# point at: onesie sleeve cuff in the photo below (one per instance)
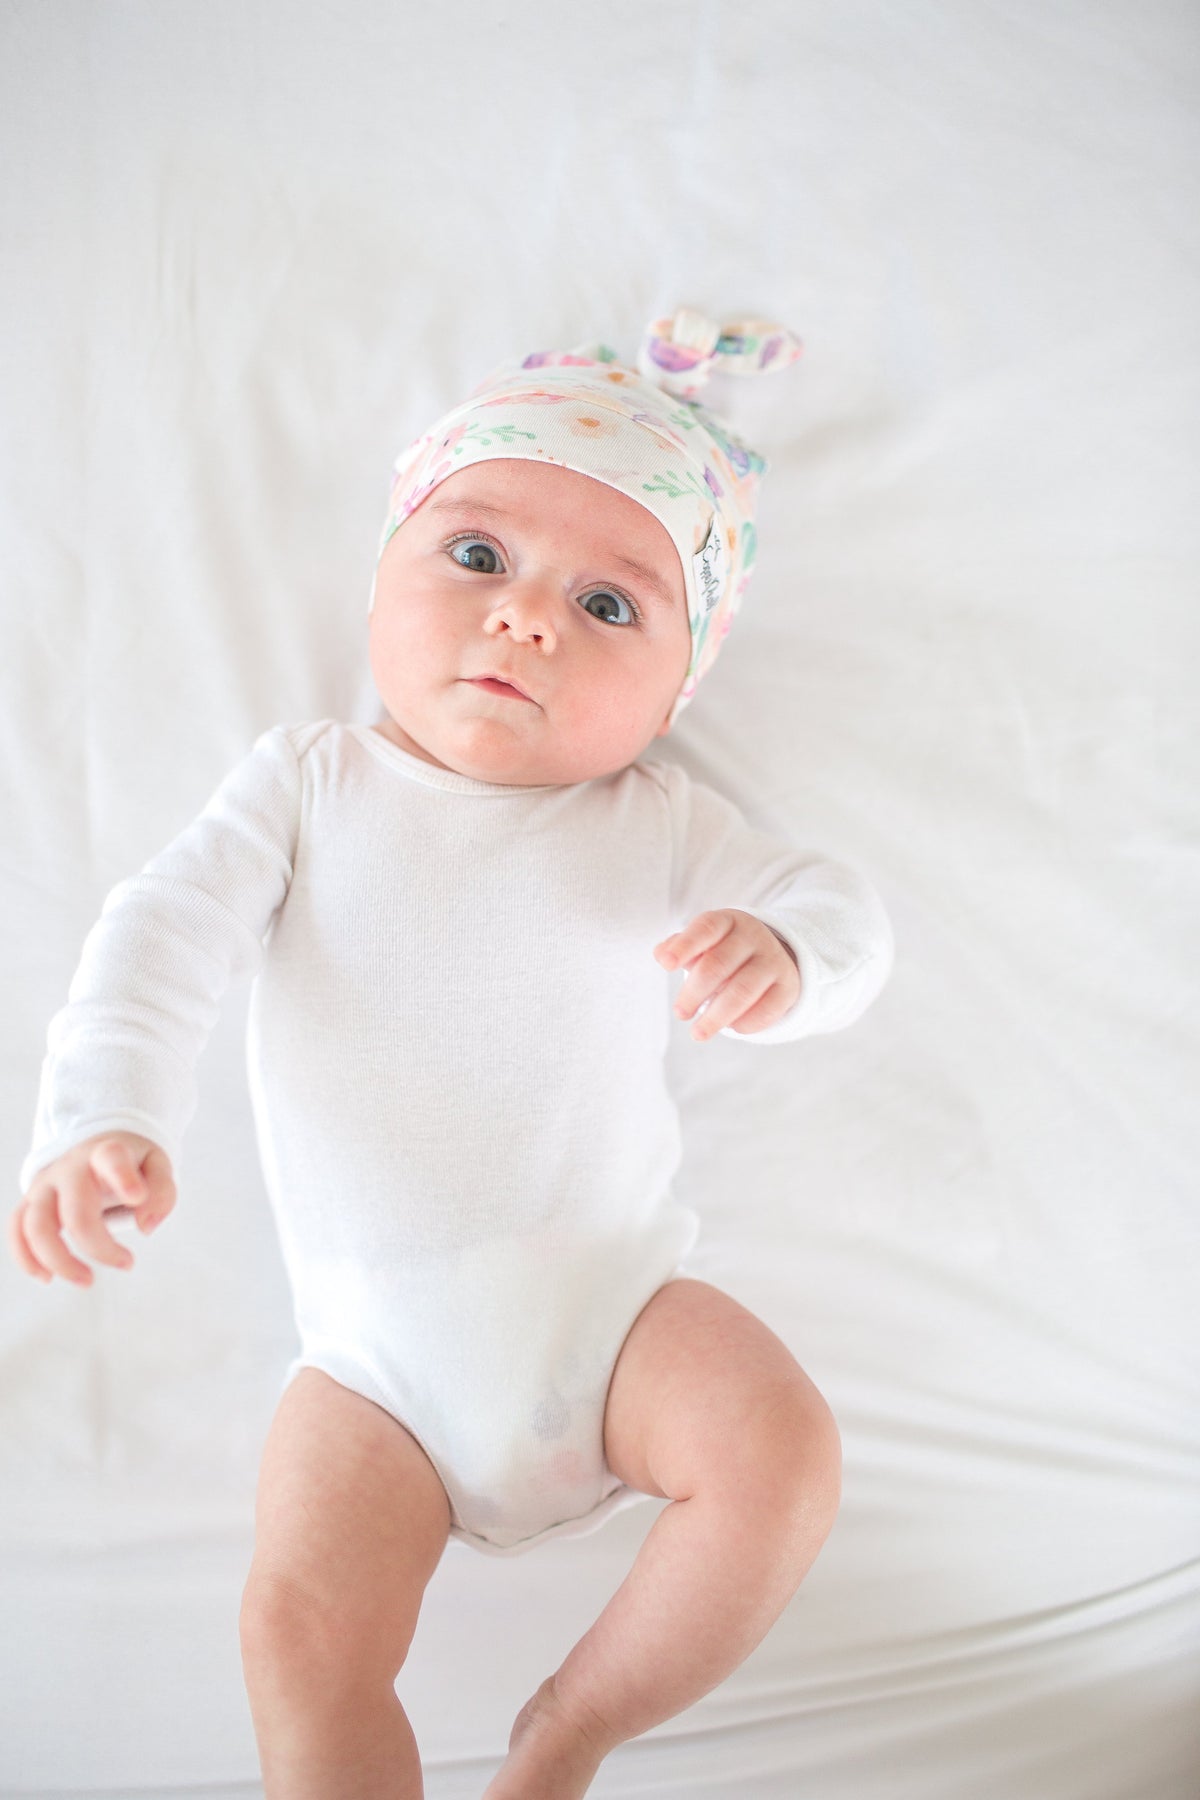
(829, 997)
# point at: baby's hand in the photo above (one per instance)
(119, 1173)
(747, 977)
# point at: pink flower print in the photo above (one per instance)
(407, 458)
(418, 494)
(441, 466)
(526, 397)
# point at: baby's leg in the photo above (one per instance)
(708, 1408)
(351, 1520)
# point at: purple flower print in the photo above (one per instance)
(677, 358)
(541, 359)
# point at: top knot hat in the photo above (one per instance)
(640, 430)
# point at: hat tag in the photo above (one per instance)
(710, 567)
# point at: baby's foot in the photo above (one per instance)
(550, 1757)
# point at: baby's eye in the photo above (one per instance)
(608, 598)
(475, 548)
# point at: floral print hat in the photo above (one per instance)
(640, 430)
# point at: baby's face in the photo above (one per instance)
(521, 569)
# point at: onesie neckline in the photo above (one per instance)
(430, 774)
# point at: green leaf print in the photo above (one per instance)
(486, 435)
(676, 486)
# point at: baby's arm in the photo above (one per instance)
(122, 1053)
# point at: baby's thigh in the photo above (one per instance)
(350, 1521)
(705, 1395)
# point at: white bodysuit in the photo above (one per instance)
(455, 1051)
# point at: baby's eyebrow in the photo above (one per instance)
(484, 509)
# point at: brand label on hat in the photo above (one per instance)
(710, 567)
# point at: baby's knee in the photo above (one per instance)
(783, 1470)
(316, 1640)
(286, 1628)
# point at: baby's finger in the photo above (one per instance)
(82, 1211)
(44, 1232)
(699, 935)
(20, 1248)
(161, 1185)
(711, 973)
(118, 1170)
(698, 991)
(742, 991)
(767, 1010)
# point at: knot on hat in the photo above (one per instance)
(680, 352)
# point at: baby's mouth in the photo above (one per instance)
(491, 684)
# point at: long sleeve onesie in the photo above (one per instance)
(456, 1051)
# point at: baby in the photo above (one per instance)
(461, 922)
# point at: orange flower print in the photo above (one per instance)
(593, 425)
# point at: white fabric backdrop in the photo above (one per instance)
(250, 249)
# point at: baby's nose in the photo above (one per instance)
(528, 609)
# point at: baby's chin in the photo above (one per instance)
(486, 752)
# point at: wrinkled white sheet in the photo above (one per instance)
(251, 248)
